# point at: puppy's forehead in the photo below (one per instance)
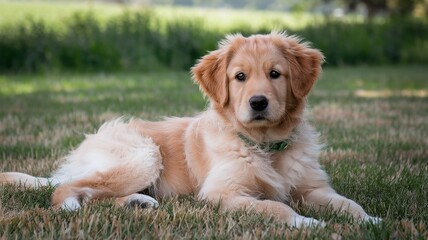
(261, 50)
(255, 44)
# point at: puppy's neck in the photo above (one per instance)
(278, 132)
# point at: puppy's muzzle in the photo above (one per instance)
(258, 103)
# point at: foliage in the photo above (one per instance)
(390, 42)
(130, 41)
(139, 40)
(395, 8)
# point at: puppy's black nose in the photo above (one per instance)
(258, 103)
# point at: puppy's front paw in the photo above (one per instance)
(301, 221)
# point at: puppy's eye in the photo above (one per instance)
(240, 77)
(274, 74)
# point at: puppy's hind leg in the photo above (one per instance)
(121, 182)
(116, 162)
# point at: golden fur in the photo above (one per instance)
(204, 154)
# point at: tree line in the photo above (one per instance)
(393, 8)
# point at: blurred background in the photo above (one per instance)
(145, 35)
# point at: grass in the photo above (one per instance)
(373, 120)
(220, 19)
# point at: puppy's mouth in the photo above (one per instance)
(259, 117)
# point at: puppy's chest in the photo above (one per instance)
(261, 169)
(253, 157)
(249, 169)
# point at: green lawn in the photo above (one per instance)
(373, 119)
(55, 12)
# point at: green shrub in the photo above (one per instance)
(139, 41)
(369, 43)
(27, 46)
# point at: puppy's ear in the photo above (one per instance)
(304, 64)
(210, 74)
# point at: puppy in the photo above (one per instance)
(252, 148)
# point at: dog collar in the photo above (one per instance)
(266, 146)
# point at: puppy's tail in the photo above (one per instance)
(25, 180)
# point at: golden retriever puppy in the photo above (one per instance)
(252, 148)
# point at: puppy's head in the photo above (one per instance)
(258, 79)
